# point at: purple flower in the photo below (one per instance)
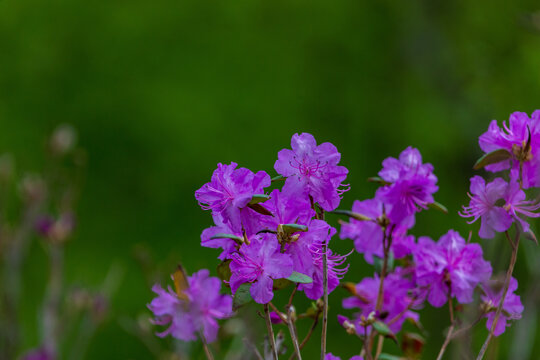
(329, 356)
(511, 310)
(449, 265)
(307, 256)
(287, 208)
(259, 263)
(368, 235)
(516, 203)
(498, 205)
(397, 300)
(312, 170)
(514, 138)
(484, 205)
(186, 317)
(411, 188)
(230, 191)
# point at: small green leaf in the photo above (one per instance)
(260, 209)
(492, 158)
(242, 296)
(238, 239)
(224, 271)
(384, 330)
(351, 214)
(292, 228)
(300, 278)
(378, 180)
(278, 178)
(385, 356)
(281, 284)
(438, 206)
(258, 198)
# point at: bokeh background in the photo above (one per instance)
(160, 92)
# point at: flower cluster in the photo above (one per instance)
(271, 236)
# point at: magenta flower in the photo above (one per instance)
(307, 256)
(287, 208)
(198, 313)
(516, 203)
(498, 204)
(514, 138)
(260, 263)
(485, 205)
(38, 354)
(449, 265)
(412, 186)
(312, 170)
(512, 307)
(329, 356)
(368, 235)
(230, 191)
(397, 300)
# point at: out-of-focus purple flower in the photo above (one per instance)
(511, 310)
(230, 191)
(397, 300)
(38, 354)
(368, 235)
(514, 138)
(287, 208)
(198, 312)
(312, 170)
(484, 205)
(259, 263)
(449, 265)
(275, 318)
(517, 203)
(56, 230)
(412, 185)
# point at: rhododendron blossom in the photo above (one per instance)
(312, 170)
(511, 310)
(449, 267)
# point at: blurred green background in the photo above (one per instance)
(162, 91)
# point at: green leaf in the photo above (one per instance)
(438, 206)
(260, 209)
(385, 356)
(492, 158)
(242, 296)
(292, 228)
(300, 278)
(224, 271)
(258, 198)
(278, 178)
(378, 180)
(281, 284)
(351, 214)
(238, 239)
(384, 330)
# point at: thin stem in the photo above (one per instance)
(289, 304)
(292, 330)
(325, 297)
(308, 336)
(515, 246)
(451, 330)
(270, 330)
(50, 327)
(253, 348)
(206, 348)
